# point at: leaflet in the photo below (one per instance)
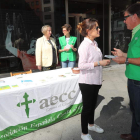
(5, 87)
(110, 56)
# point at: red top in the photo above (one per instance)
(28, 61)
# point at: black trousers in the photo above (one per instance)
(89, 97)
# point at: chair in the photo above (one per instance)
(18, 73)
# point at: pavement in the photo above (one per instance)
(112, 112)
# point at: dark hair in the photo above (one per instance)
(89, 23)
(67, 26)
(134, 9)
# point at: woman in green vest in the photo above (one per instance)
(67, 50)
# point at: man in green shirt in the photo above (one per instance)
(132, 61)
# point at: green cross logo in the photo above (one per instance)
(26, 103)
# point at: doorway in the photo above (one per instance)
(74, 19)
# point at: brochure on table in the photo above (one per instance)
(34, 79)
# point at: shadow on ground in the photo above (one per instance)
(115, 119)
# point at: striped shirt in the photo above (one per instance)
(135, 30)
(88, 54)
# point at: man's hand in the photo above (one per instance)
(39, 67)
(117, 52)
(119, 59)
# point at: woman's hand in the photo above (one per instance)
(39, 67)
(104, 62)
(65, 49)
(74, 49)
(117, 52)
(72, 46)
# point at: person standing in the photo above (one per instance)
(132, 61)
(46, 51)
(90, 79)
(67, 48)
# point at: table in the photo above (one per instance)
(33, 101)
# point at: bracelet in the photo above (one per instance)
(98, 63)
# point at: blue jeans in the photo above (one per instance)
(68, 64)
(134, 95)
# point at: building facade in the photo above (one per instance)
(26, 17)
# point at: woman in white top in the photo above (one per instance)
(90, 80)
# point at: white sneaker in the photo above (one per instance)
(86, 137)
(95, 128)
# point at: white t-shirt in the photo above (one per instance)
(67, 40)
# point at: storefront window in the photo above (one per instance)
(19, 28)
(23, 19)
(120, 36)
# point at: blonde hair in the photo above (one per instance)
(44, 28)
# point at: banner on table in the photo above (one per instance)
(29, 110)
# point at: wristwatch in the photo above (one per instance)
(126, 61)
(98, 63)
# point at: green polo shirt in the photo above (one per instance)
(133, 71)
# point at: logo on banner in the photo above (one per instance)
(26, 103)
(63, 100)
